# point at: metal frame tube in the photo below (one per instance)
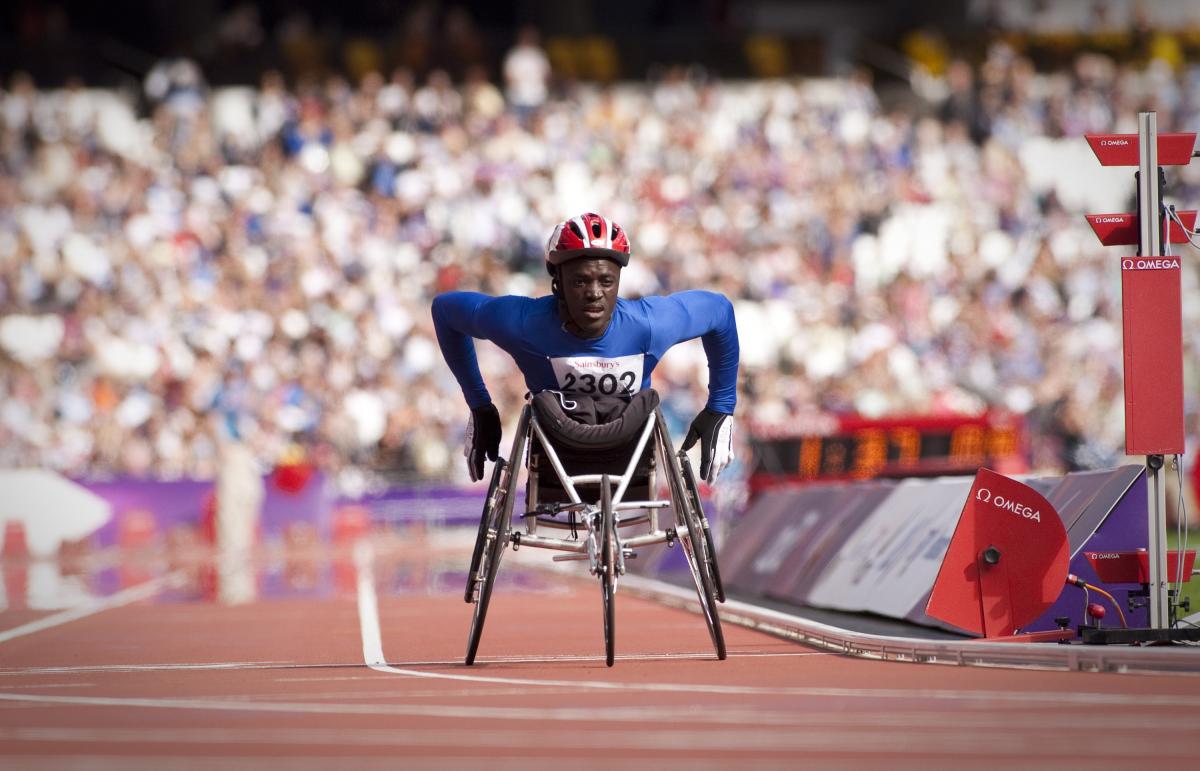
(1157, 547)
(558, 544)
(1150, 223)
(1149, 205)
(569, 482)
(633, 461)
(566, 479)
(581, 549)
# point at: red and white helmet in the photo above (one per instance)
(588, 235)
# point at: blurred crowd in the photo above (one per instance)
(186, 266)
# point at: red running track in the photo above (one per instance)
(158, 678)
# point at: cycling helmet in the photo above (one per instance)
(588, 235)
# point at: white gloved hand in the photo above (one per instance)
(714, 431)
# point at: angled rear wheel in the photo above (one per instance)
(494, 499)
(494, 533)
(494, 537)
(694, 545)
(710, 549)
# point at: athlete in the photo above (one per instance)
(584, 339)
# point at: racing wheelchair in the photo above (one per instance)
(599, 481)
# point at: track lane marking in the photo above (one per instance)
(182, 667)
(142, 591)
(292, 665)
(862, 738)
(372, 644)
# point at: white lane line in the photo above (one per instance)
(368, 611)
(368, 607)
(134, 593)
(169, 667)
(551, 659)
(445, 761)
(698, 713)
(633, 657)
(846, 737)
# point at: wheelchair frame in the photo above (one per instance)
(603, 546)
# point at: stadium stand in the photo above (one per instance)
(194, 262)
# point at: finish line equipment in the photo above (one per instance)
(1006, 562)
(1152, 321)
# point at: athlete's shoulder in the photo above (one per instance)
(688, 298)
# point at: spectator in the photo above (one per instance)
(260, 262)
(526, 73)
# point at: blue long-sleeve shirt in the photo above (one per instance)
(619, 361)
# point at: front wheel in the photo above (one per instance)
(608, 570)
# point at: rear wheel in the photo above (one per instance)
(495, 538)
(710, 549)
(495, 535)
(608, 569)
(694, 544)
(493, 501)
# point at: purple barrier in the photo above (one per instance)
(433, 505)
(181, 504)
(889, 562)
(876, 546)
(1111, 508)
(794, 536)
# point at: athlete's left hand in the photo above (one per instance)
(483, 439)
(714, 430)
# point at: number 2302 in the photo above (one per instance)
(607, 384)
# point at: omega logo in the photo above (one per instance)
(1111, 142)
(1168, 263)
(1000, 502)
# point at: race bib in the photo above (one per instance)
(620, 376)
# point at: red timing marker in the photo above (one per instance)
(1122, 229)
(1133, 567)
(1122, 149)
(1152, 322)
(1007, 561)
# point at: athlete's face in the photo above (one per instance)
(589, 287)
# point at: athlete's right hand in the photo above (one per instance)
(483, 439)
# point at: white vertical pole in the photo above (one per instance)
(1150, 221)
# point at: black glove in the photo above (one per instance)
(483, 439)
(715, 432)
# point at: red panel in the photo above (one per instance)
(996, 599)
(1153, 342)
(1133, 567)
(1122, 149)
(1122, 229)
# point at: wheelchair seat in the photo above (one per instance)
(591, 436)
(593, 423)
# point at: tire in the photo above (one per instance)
(489, 564)
(608, 570)
(499, 525)
(710, 549)
(694, 543)
(491, 502)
